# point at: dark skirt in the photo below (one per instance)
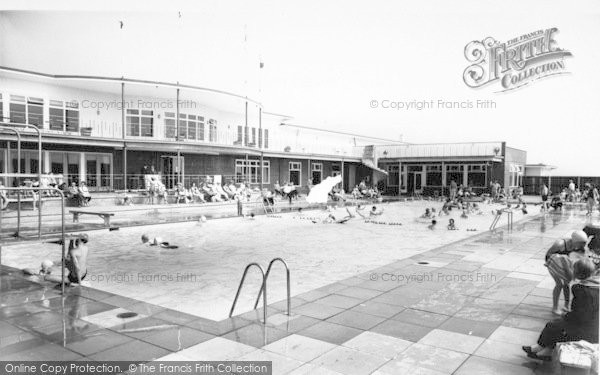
(561, 331)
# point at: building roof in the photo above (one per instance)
(540, 165)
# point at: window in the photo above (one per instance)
(434, 175)
(146, 123)
(133, 122)
(266, 141)
(1, 109)
(247, 170)
(295, 173)
(246, 135)
(212, 130)
(316, 173)
(140, 123)
(260, 139)
(35, 111)
(190, 127)
(476, 175)
(62, 116)
(200, 128)
(336, 169)
(393, 174)
(170, 128)
(266, 176)
(72, 116)
(253, 144)
(454, 172)
(57, 115)
(240, 134)
(17, 109)
(182, 126)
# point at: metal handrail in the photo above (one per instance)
(497, 219)
(39, 133)
(62, 228)
(240, 289)
(263, 288)
(18, 134)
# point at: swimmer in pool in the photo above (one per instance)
(464, 215)
(452, 225)
(427, 214)
(374, 211)
(45, 269)
(432, 225)
(300, 214)
(157, 241)
(250, 216)
(330, 219)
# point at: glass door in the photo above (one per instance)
(91, 171)
(171, 169)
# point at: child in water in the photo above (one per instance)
(432, 225)
(157, 241)
(451, 225)
(464, 215)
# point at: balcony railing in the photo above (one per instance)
(275, 143)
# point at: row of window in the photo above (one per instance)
(394, 168)
(476, 174)
(248, 170)
(63, 116)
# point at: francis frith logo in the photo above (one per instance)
(515, 63)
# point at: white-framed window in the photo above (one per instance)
(18, 109)
(240, 135)
(295, 173)
(1, 109)
(140, 122)
(35, 111)
(63, 116)
(170, 125)
(191, 127)
(247, 170)
(266, 138)
(316, 173)
(212, 130)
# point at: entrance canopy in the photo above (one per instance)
(369, 163)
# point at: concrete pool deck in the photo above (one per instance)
(467, 311)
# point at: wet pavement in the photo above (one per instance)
(463, 308)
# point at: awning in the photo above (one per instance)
(369, 163)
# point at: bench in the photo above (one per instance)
(104, 215)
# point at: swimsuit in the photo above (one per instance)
(73, 278)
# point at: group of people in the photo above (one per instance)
(207, 191)
(80, 194)
(589, 195)
(287, 190)
(362, 190)
(75, 264)
(573, 264)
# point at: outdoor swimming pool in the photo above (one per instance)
(202, 275)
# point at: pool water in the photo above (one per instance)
(201, 276)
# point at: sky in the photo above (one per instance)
(337, 64)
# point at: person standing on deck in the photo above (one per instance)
(544, 191)
(453, 190)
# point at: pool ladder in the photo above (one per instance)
(263, 288)
(497, 219)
